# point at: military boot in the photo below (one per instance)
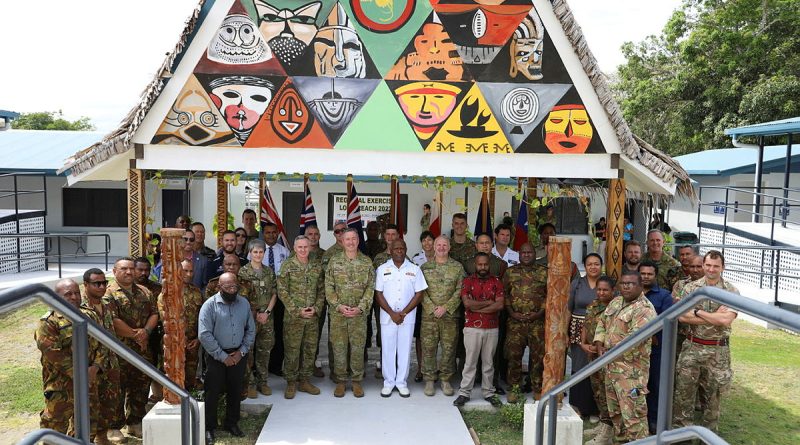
(265, 389)
(115, 436)
(101, 438)
(358, 391)
(512, 397)
(604, 435)
(291, 390)
(251, 392)
(339, 391)
(447, 389)
(307, 387)
(429, 389)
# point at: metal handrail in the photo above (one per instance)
(681, 434)
(81, 328)
(751, 192)
(668, 322)
(48, 436)
(58, 236)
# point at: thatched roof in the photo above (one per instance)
(633, 148)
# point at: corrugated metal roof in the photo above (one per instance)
(36, 150)
(783, 126)
(727, 161)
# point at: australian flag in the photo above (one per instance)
(308, 217)
(269, 214)
(354, 217)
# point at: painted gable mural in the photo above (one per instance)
(468, 76)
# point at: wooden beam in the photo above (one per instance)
(492, 189)
(615, 228)
(172, 310)
(222, 206)
(137, 238)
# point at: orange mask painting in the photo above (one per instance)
(568, 129)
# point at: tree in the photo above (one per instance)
(50, 120)
(717, 64)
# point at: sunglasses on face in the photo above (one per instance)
(191, 240)
(99, 283)
(338, 231)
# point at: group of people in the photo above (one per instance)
(473, 306)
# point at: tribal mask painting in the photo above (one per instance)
(427, 105)
(527, 46)
(338, 52)
(288, 31)
(434, 56)
(479, 31)
(242, 100)
(291, 119)
(568, 129)
(238, 41)
(194, 120)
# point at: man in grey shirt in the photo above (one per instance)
(226, 330)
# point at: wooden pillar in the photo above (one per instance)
(615, 228)
(557, 314)
(137, 238)
(222, 206)
(173, 310)
(492, 189)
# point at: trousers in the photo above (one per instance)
(479, 343)
(396, 352)
(229, 379)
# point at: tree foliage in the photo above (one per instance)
(717, 64)
(50, 120)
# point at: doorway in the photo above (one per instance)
(174, 204)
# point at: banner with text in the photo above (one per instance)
(373, 205)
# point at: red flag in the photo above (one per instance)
(269, 213)
(436, 215)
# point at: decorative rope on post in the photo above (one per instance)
(173, 310)
(556, 318)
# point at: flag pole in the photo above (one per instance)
(262, 183)
(349, 196)
(393, 200)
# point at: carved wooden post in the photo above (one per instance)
(174, 314)
(492, 189)
(615, 227)
(222, 207)
(556, 320)
(136, 213)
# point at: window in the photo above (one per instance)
(571, 216)
(85, 207)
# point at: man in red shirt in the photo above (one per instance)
(482, 295)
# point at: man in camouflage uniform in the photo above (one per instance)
(230, 266)
(626, 378)
(526, 289)
(604, 431)
(105, 401)
(337, 247)
(315, 252)
(685, 255)
(678, 292)
(301, 287)
(54, 339)
(349, 284)
(141, 275)
(135, 318)
(705, 360)
(262, 302)
(669, 269)
(440, 308)
(462, 249)
(192, 301)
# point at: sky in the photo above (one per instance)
(97, 56)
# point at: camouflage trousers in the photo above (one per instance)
(105, 409)
(598, 381)
(434, 332)
(627, 406)
(701, 369)
(58, 411)
(300, 340)
(134, 388)
(521, 335)
(190, 368)
(258, 362)
(348, 336)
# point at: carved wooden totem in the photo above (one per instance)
(615, 228)
(556, 320)
(174, 321)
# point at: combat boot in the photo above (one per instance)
(339, 391)
(135, 430)
(291, 390)
(429, 389)
(115, 436)
(264, 389)
(251, 392)
(604, 436)
(101, 438)
(512, 397)
(308, 388)
(358, 391)
(447, 389)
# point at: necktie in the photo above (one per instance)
(271, 259)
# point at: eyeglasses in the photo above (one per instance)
(99, 283)
(627, 283)
(191, 240)
(338, 231)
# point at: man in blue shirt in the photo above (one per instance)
(227, 331)
(661, 300)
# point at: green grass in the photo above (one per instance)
(491, 428)
(20, 390)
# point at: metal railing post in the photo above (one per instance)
(80, 379)
(58, 242)
(16, 220)
(551, 421)
(725, 221)
(700, 204)
(667, 376)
